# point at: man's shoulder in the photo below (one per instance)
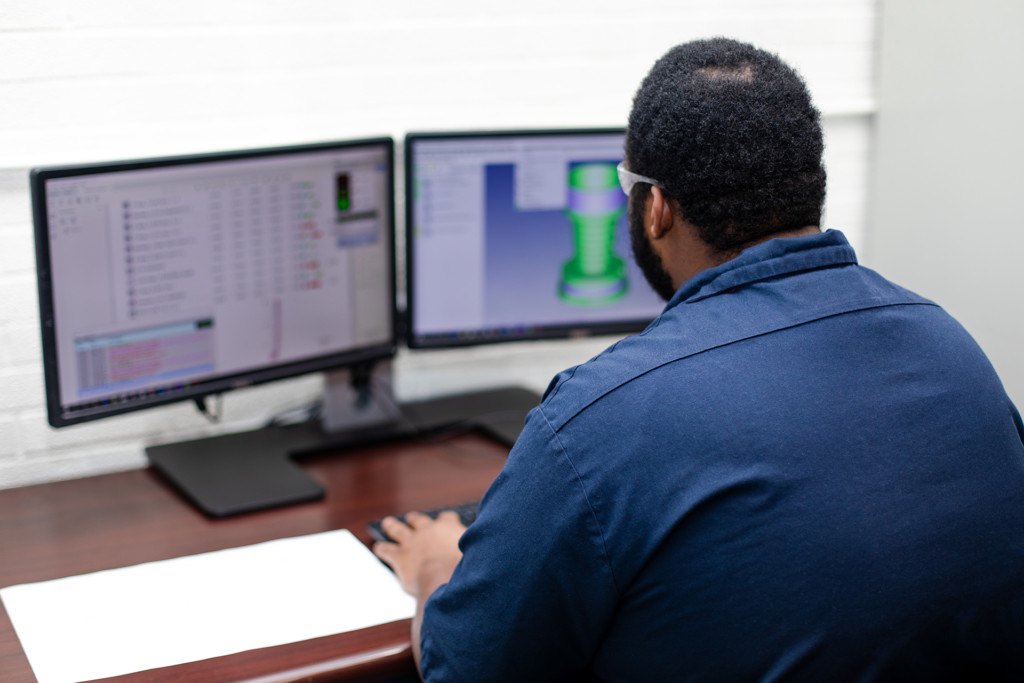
(574, 389)
(690, 328)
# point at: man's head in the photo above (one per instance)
(730, 134)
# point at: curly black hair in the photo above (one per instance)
(730, 133)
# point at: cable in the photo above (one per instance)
(304, 413)
(213, 416)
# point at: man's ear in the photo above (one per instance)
(661, 215)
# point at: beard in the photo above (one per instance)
(650, 263)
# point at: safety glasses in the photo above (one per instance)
(627, 179)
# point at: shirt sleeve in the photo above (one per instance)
(534, 590)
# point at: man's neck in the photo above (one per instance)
(799, 232)
(701, 256)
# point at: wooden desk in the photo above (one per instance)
(74, 527)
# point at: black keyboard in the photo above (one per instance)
(465, 511)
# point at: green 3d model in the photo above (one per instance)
(594, 276)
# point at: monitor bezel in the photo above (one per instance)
(414, 341)
(38, 177)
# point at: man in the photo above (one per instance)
(798, 472)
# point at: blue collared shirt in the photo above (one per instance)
(800, 471)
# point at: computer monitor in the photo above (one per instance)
(169, 279)
(514, 235)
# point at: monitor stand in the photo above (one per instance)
(249, 471)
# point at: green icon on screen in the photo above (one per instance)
(595, 275)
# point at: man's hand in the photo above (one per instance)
(425, 550)
(423, 556)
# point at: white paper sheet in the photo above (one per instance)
(158, 614)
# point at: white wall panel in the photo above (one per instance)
(947, 188)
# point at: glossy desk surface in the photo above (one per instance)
(85, 525)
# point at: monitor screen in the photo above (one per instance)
(519, 235)
(166, 279)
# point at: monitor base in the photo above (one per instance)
(249, 471)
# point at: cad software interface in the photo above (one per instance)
(166, 277)
(515, 236)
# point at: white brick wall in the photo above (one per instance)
(104, 79)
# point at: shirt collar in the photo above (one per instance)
(773, 258)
